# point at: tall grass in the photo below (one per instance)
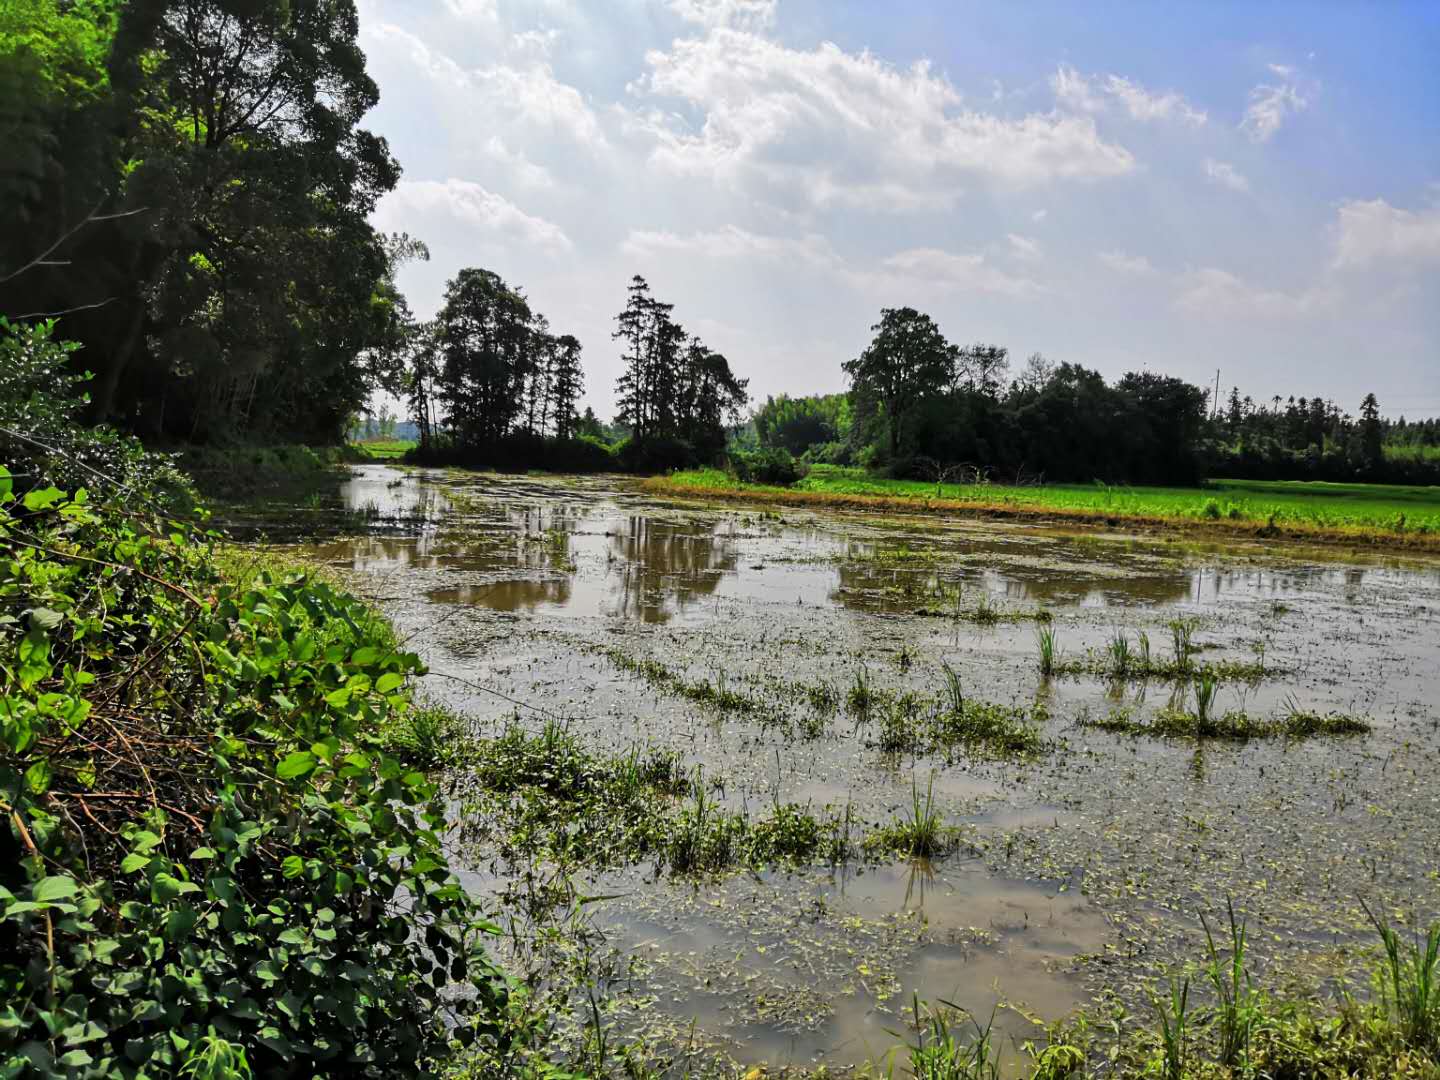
(1119, 649)
(1409, 982)
(1239, 1006)
(1174, 1017)
(1049, 649)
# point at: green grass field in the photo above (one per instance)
(384, 449)
(1341, 507)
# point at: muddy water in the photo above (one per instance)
(1089, 869)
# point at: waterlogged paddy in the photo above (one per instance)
(1084, 870)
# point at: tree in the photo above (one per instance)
(485, 341)
(567, 383)
(908, 360)
(228, 278)
(982, 369)
(1371, 433)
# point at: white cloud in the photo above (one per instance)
(1075, 91)
(1023, 247)
(517, 166)
(1225, 175)
(932, 271)
(1215, 293)
(1270, 105)
(1122, 263)
(928, 271)
(835, 128)
(522, 95)
(1375, 230)
(741, 14)
(470, 204)
(1039, 216)
(1143, 105)
(484, 11)
(731, 242)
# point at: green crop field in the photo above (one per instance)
(1377, 507)
(385, 449)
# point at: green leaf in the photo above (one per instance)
(365, 656)
(49, 889)
(293, 866)
(339, 698)
(37, 777)
(296, 764)
(389, 681)
(43, 498)
(134, 861)
(44, 618)
(6, 485)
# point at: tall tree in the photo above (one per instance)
(908, 360)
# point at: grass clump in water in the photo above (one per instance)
(919, 834)
(911, 724)
(546, 795)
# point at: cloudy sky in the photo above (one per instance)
(1179, 188)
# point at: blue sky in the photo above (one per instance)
(1253, 187)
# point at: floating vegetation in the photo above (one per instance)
(1235, 725)
(717, 694)
(909, 723)
(545, 795)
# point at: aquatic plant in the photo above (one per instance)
(860, 697)
(1119, 648)
(1174, 1018)
(1182, 638)
(1145, 659)
(921, 833)
(953, 689)
(1409, 981)
(1049, 650)
(1206, 686)
(1239, 1006)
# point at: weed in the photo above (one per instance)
(953, 688)
(1238, 1011)
(860, 697)
(1174, 1017)
(1182, 639)
(1145, 659)
(1409, 982)
(214, 1058)
(920, 835)
(1206, 686)
(1119, 654)
(1049, 650)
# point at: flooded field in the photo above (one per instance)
(1081, 866)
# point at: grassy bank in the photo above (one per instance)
(1361, 514)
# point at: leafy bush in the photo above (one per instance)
(209, 853)
(771, 465)
(655, 455)
(42, 439)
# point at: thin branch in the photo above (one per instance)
(89, 219)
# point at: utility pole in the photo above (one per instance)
(1215, 400)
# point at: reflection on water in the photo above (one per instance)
(523, 548)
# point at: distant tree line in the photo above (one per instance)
(919, 405)
(1313, 439)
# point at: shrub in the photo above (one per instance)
(208, 852)
(42, 439)
(771, 465)
(655, 455)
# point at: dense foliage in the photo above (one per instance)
(187, 183)
(208, 851)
